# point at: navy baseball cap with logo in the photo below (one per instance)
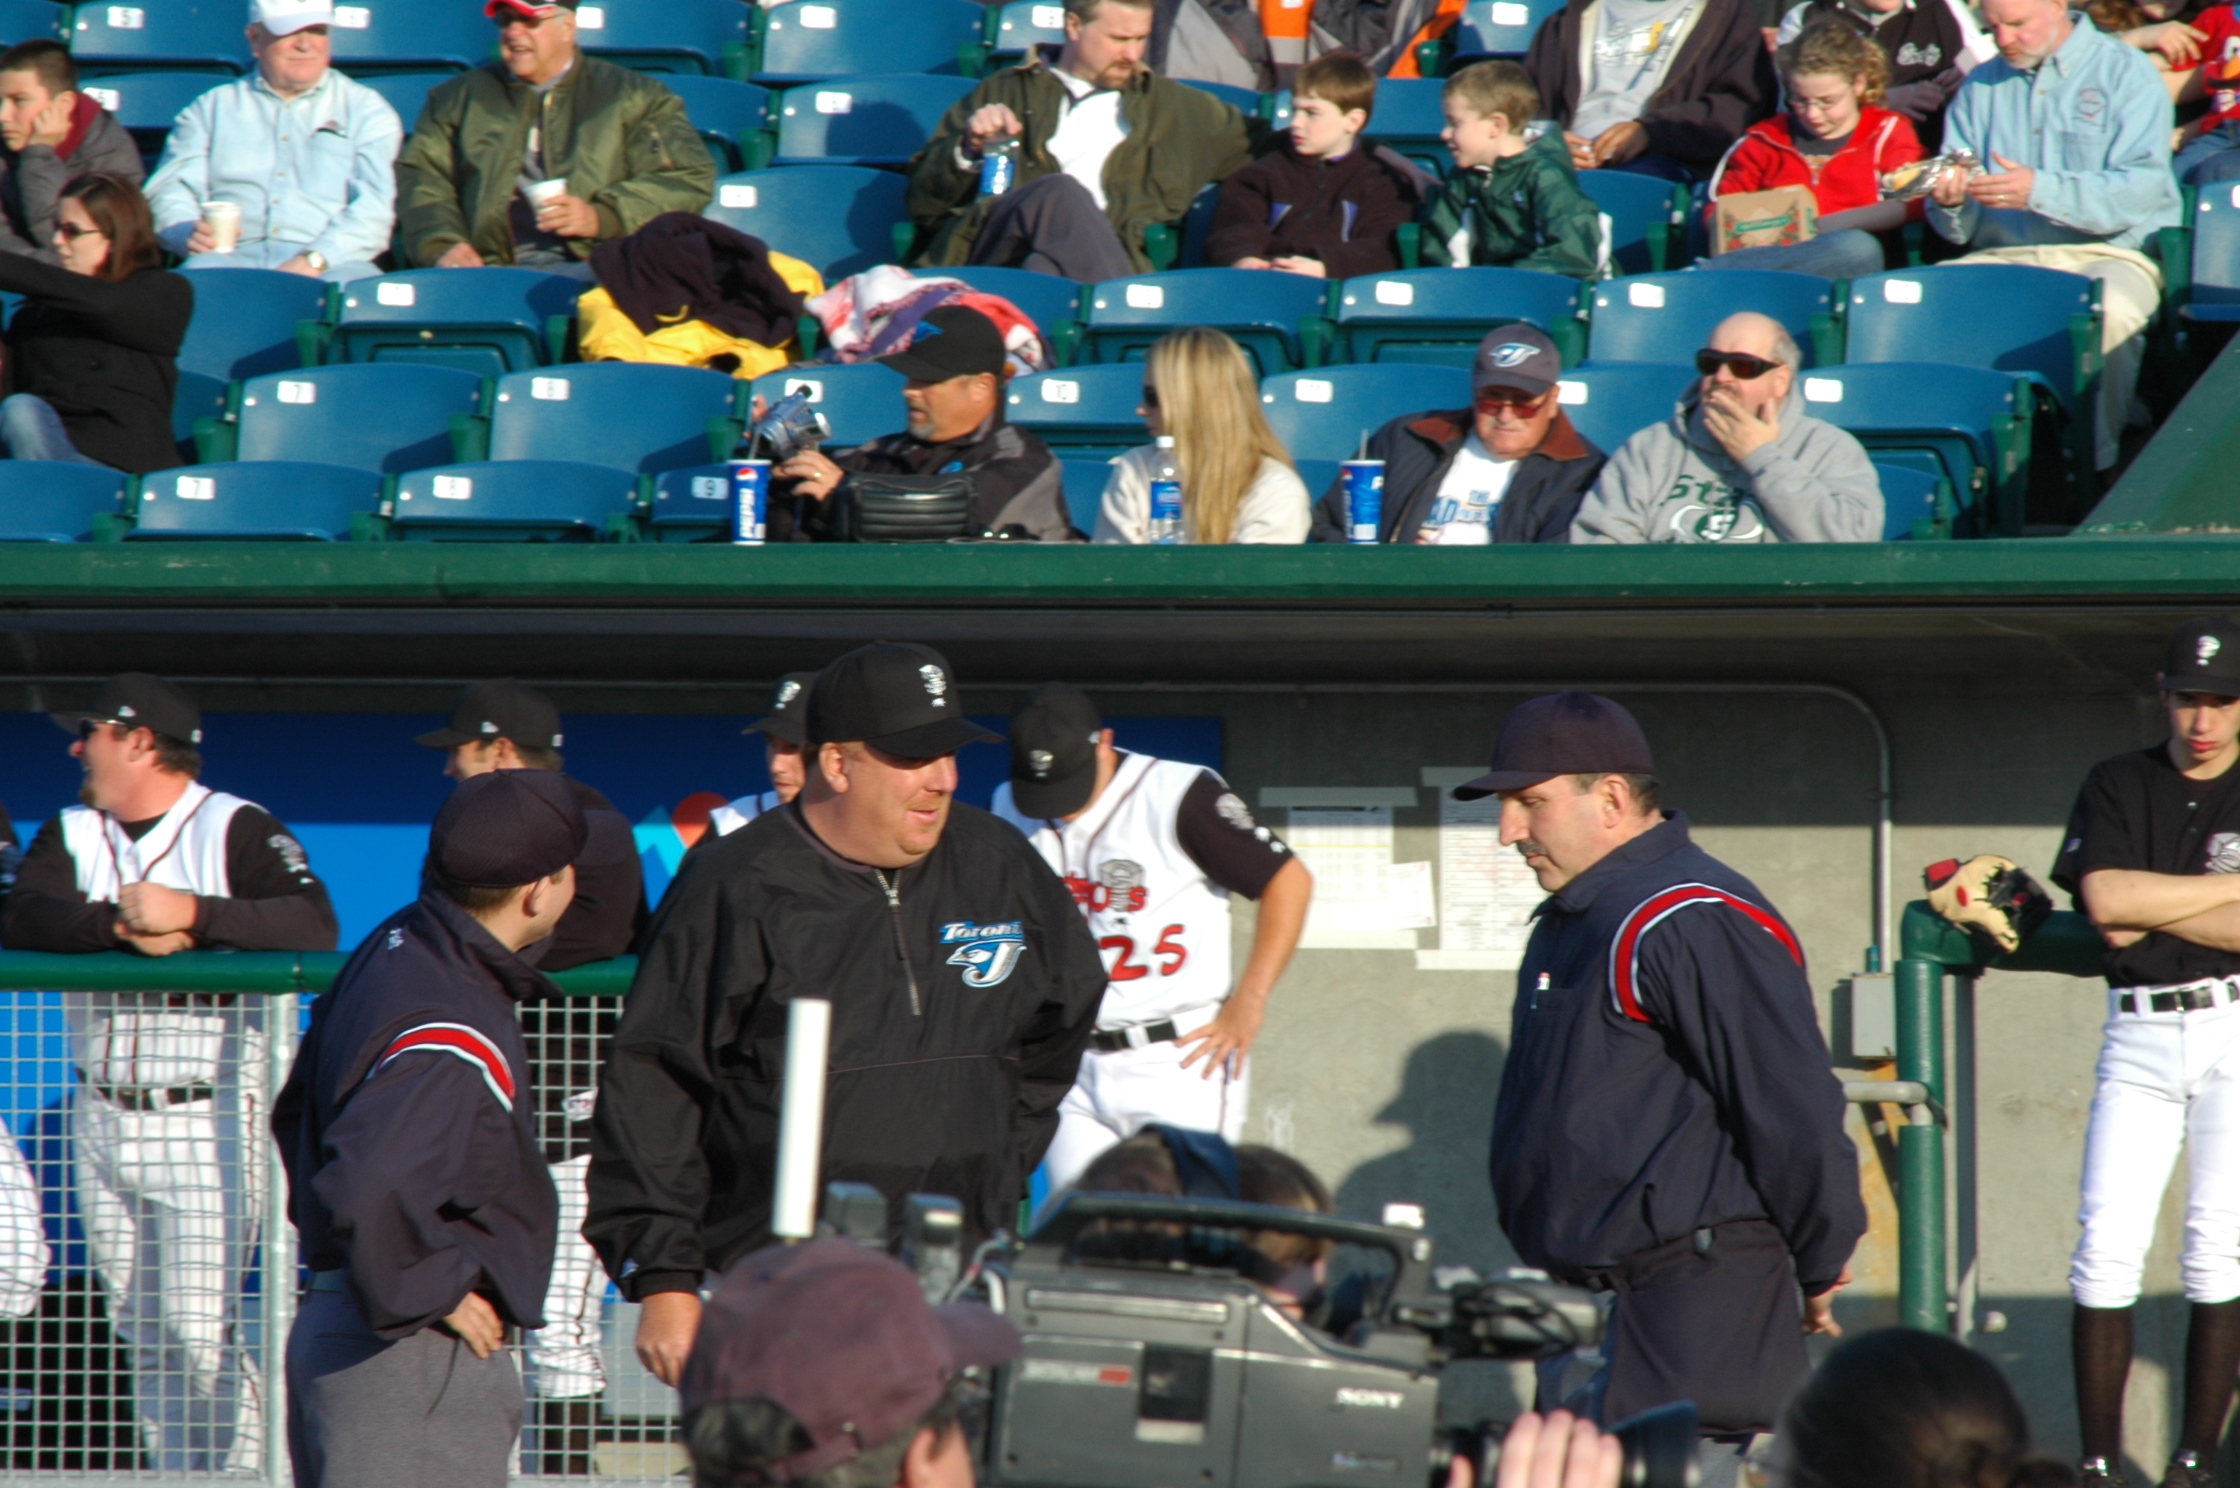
(952, 341)
(788, 717)
(2204, 656)
(1054, 738)
(901, 699)
(505, 828)
(1567, 733)
(1516, 356)
(139, 700)
(489, 711)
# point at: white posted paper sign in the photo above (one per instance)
(1359, 891)
(1486, 893)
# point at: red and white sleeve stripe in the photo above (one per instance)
(459, 1041)
(1625, 946)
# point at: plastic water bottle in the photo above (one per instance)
(999, 166)
(1166, 492)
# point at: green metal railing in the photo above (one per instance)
(269, 973)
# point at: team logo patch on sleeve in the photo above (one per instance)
(461, 1042)
(1625, 946)
(988, 953)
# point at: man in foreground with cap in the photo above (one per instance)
(1668, 1128)
(1151, 850)
(414, 1176)
(2152, 855)
(955, 368)
(1508, 469)
(963, 986)
(155, 862)
(783, 730)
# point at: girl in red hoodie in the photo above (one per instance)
(1836, 141)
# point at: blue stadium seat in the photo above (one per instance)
(56, 500)
(1669, 317)
(1022, 24)
(1261, 310)
(1408, 118)
(244, 326)
(2214, 294)
(1322, 414)
(1081, 412)
(374, 36)
(1912, 501)
(147, 104)
(1499, 28)
(804, 40)
(485, 321)
(197, 34)
(1966, 425)
(407, 92)
(1245, 101)
(881, 120)
(1085, 483)
(273, 500)
(519, 500)
(1045, 299)
(31, 20)
(1645, 218)
(635, 416)
(861, 401)
(681, 36)
(382, 416)
(1440, 315)
(730, 116)
(1610, 404)
(838, 218)
(691, 504)
(2007, 317)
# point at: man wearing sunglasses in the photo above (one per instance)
(1739, 461)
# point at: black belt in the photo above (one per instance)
(149, 1098)
(2194, 997)
(1112, 1041)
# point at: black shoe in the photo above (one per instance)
(2099, 1472)
(2186, 1471)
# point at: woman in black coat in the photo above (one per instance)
(91, 363)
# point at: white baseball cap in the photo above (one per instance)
(286, 17)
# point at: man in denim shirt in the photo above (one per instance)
(307, 154)
(2073, 128)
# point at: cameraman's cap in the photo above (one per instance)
(1516, 356)
(508, 827)
(530, 10)
(1568, 733)
(788, 717)
(287, 17)
(2204, 656)
(489, 711)
(1054, 751)
(899, 698)
(139, 700)
(953, 341)
(841, 1337)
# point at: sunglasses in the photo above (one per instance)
(1743, 365)
(1493, 402)
(73, 232)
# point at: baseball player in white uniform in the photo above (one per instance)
(782, 734)
(24, 1256)
(1152, 849)
(166, 1121)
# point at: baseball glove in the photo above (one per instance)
(1989, 897)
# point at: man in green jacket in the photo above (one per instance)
(540, 157)
(1105, 146)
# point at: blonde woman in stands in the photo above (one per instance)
(1238, 483)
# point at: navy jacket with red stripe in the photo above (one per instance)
(1666, 1072)
(406, 1126)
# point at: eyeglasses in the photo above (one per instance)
(73, 232)
(1150, 396)
(1494, 401)
(1743, 365)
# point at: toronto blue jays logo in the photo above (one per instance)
(988, 953)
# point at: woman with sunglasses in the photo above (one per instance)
(91, 357)
(1238, 483)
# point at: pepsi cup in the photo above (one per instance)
(750, 500)
(1364, 488)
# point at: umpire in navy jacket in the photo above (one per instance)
(1669, 1128)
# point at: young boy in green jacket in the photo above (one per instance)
(1509, 203)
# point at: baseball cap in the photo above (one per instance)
(499, 710)
(841, 1338)
(533, 10)
(2204, 656)
(952, 341)
(1518, 356)
(287, 17)
(139, 700)
(789, 710)
(1567, 733)
(900, 698)
(1054, 751)
(508, 827)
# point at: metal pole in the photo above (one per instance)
(1921, 1212)
(281, 1022)
(1965, 1219)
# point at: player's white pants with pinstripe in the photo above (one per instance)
(2166, 1080)
(564, 1353)
(1118, 1094)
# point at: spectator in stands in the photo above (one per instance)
(2086, 196)
(1323, 204)
(1661, 87)
(1238, 483)
(1739, 460)
(2212, 152)
(307, 154)
(1259, 44)
(1510, 202)
(1833, 141)
(1105, 147)
(470, 184)
(50, 134)
(957, 431)
(92, 355)
(1931, 46)
(1510, 469)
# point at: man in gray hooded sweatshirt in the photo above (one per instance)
(1739, 460)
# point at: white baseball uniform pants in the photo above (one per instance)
(2166, 1080)
(1116, 1095)
(564, 1353)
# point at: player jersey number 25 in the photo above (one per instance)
(1163, 957)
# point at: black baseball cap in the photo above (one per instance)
(1054, 751)
(899, 698)
(952, 341)
(2204, 656)
(139, 700)
(505, 828)
(789, 710)
(1518, 356)
(489, 711)
(1566, 733)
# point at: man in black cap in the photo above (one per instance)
(2152, 855)
(414, 1175)
(155, 862)
(1508, 469)
(784, 729)
(963, 986)
(955, 367)
(1669, 1128)
(1151, 850)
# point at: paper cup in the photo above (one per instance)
(223, 219)
(544, 191)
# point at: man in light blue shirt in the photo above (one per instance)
(308, 155)
(2073, 127)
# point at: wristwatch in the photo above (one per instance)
(316, 259)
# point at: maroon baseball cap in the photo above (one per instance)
(842, 1338)
(1566, 733)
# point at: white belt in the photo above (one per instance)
(2181, 997)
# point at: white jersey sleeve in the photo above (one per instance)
(24, 1256)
